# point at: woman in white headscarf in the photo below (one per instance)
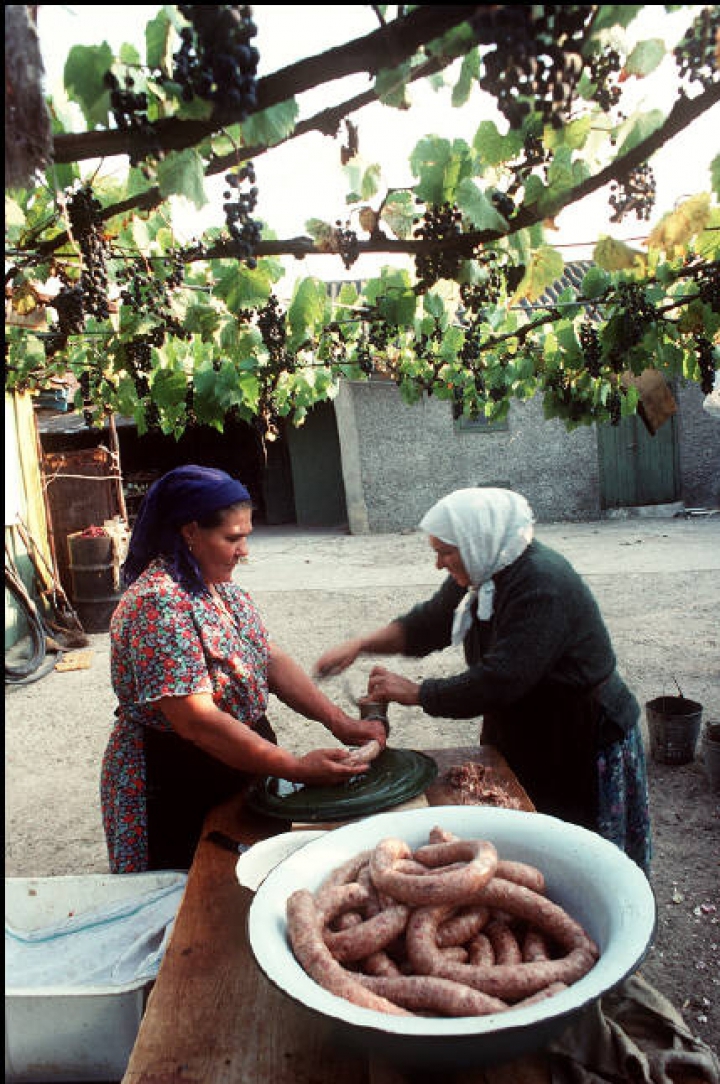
(540, 667)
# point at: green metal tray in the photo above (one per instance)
(396, 776)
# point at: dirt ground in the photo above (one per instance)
(658, 585)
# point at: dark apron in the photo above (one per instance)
(551, 739)
(183, 783)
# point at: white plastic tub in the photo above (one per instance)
(74, 1030)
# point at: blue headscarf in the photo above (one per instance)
(179, 497)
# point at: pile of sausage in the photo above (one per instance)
(449, 929)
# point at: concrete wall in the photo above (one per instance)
(699, 446)
(399, 459)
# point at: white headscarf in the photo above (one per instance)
(490, 528)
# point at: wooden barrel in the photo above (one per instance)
(95, 575)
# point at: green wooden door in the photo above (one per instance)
(637, 468)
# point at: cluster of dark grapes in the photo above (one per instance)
(216, 61)
(604, 71)
(239, 205)
(379, 332)
(696, 55)
(70, 308)
(635, 194)
(706, 363)
(567, 399)
(535, 156)
(87, 296)
(129, 110)
(271, 325)
(85, 215)
(137, 358)
(334, 343)
(469, 352)
(706, 276)
(347, 244)
(472, 406)
(538, 60)
(145, 292)
(503, 202)
(635, 313)
(442, 226)
(590, 346)
(364, 357)
(500, 277)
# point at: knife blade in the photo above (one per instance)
(220, 839)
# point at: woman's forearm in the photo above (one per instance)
(388, 640)
(289, 682)
(198, 719)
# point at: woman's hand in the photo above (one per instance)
(386, 686)
(326, 766)
(338, 658)
(358, 731)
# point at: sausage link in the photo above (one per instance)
(380, 964)
(437, 996)
(504, 943)
(535, 946)
(480, 951)
(538, 911)
(346, 872)
(547, 991)
(364, 754)
(510, 982)
(334, 899)
(454, 886)
(521, 873)
(347, 920)
(461, 927)
(304, 926)
(369, 936)
(456, 953)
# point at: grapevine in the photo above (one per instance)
(239, 205)
(129, 110)
(696, 55)
(635, 194)
(538, 60)
(706, 363)
(216, 60)
(439, 224)
(347, 244)
(604, 71)
(590, 345)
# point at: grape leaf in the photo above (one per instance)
(84, 74)
(182, 173)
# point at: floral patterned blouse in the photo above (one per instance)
(166, 642)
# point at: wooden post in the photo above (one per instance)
(115, 466)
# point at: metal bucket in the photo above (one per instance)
(94, 570)
(674, 726)
(711, 754)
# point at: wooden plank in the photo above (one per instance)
(497, 773)
(212, 1015)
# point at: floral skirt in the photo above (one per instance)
(623, 813)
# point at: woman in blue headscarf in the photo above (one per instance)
(192, 669)
(540, 668)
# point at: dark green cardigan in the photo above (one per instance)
(541, 672)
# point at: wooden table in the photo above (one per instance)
(213, 1018)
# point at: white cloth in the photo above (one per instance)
(490, 528)
(114, 945)
(711, 402)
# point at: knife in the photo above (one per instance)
(220, 839)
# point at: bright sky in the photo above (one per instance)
(302, 179)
